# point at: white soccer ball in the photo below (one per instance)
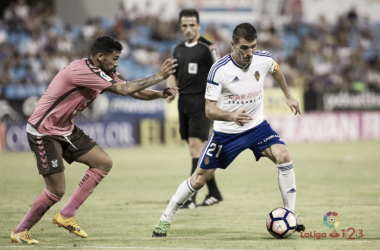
(281, 223)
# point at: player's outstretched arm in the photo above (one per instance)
(130, 87)
(213, 112)
(148, 94)
(290, 100)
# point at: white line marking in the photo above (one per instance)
(100, 247)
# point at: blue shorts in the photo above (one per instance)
(221, 149)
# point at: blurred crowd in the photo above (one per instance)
(320, 57)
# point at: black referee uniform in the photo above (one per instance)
(194, 62)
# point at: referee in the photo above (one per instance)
(195, 57)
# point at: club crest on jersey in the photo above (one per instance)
(54, 163)
(105, 76)
(257, 75)
(207, 160)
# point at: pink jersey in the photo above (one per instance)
(70, 92)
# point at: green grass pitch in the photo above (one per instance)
(120, 214)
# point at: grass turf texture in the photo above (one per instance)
(123, 209)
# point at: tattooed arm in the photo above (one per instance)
(148, 94)
(130, 87)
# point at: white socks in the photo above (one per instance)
(287, 184)
(183, 194)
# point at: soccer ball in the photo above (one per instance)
(281, 223)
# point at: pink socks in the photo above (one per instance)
(86, 186)
(39, 207)
(46, 199)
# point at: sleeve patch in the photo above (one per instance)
(105, 76)
(208, 90)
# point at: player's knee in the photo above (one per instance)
(105, 164)
(195, 151)
(194, 154)
(284, 157)
(108, 164)
(195, 147)
(199, 183)
(58, 191)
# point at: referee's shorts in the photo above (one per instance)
(192, 117)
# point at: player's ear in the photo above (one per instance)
(100, 57)
(232, 44)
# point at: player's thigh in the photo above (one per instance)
(78, 144)
(96, 158)
(220, 150)
(278, 153)
(260, 140)
(47, 151)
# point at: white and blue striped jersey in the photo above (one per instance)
(236, 88)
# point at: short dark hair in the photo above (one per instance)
(105, 45)
(246, 31)
(189, 12)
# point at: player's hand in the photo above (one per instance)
(168, 68)
(170, 99)
(293, 105)
(241, 117)
(169, 93)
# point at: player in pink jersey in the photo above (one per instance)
(53, 135)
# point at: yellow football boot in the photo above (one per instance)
(71, 224)
(23, 237)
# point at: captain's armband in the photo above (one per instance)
(275, 67)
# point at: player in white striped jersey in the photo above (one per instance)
(236, 87)
(234, 100)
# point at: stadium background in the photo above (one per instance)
(329, 52)
(333, 65)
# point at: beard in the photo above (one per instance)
(110, 71)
